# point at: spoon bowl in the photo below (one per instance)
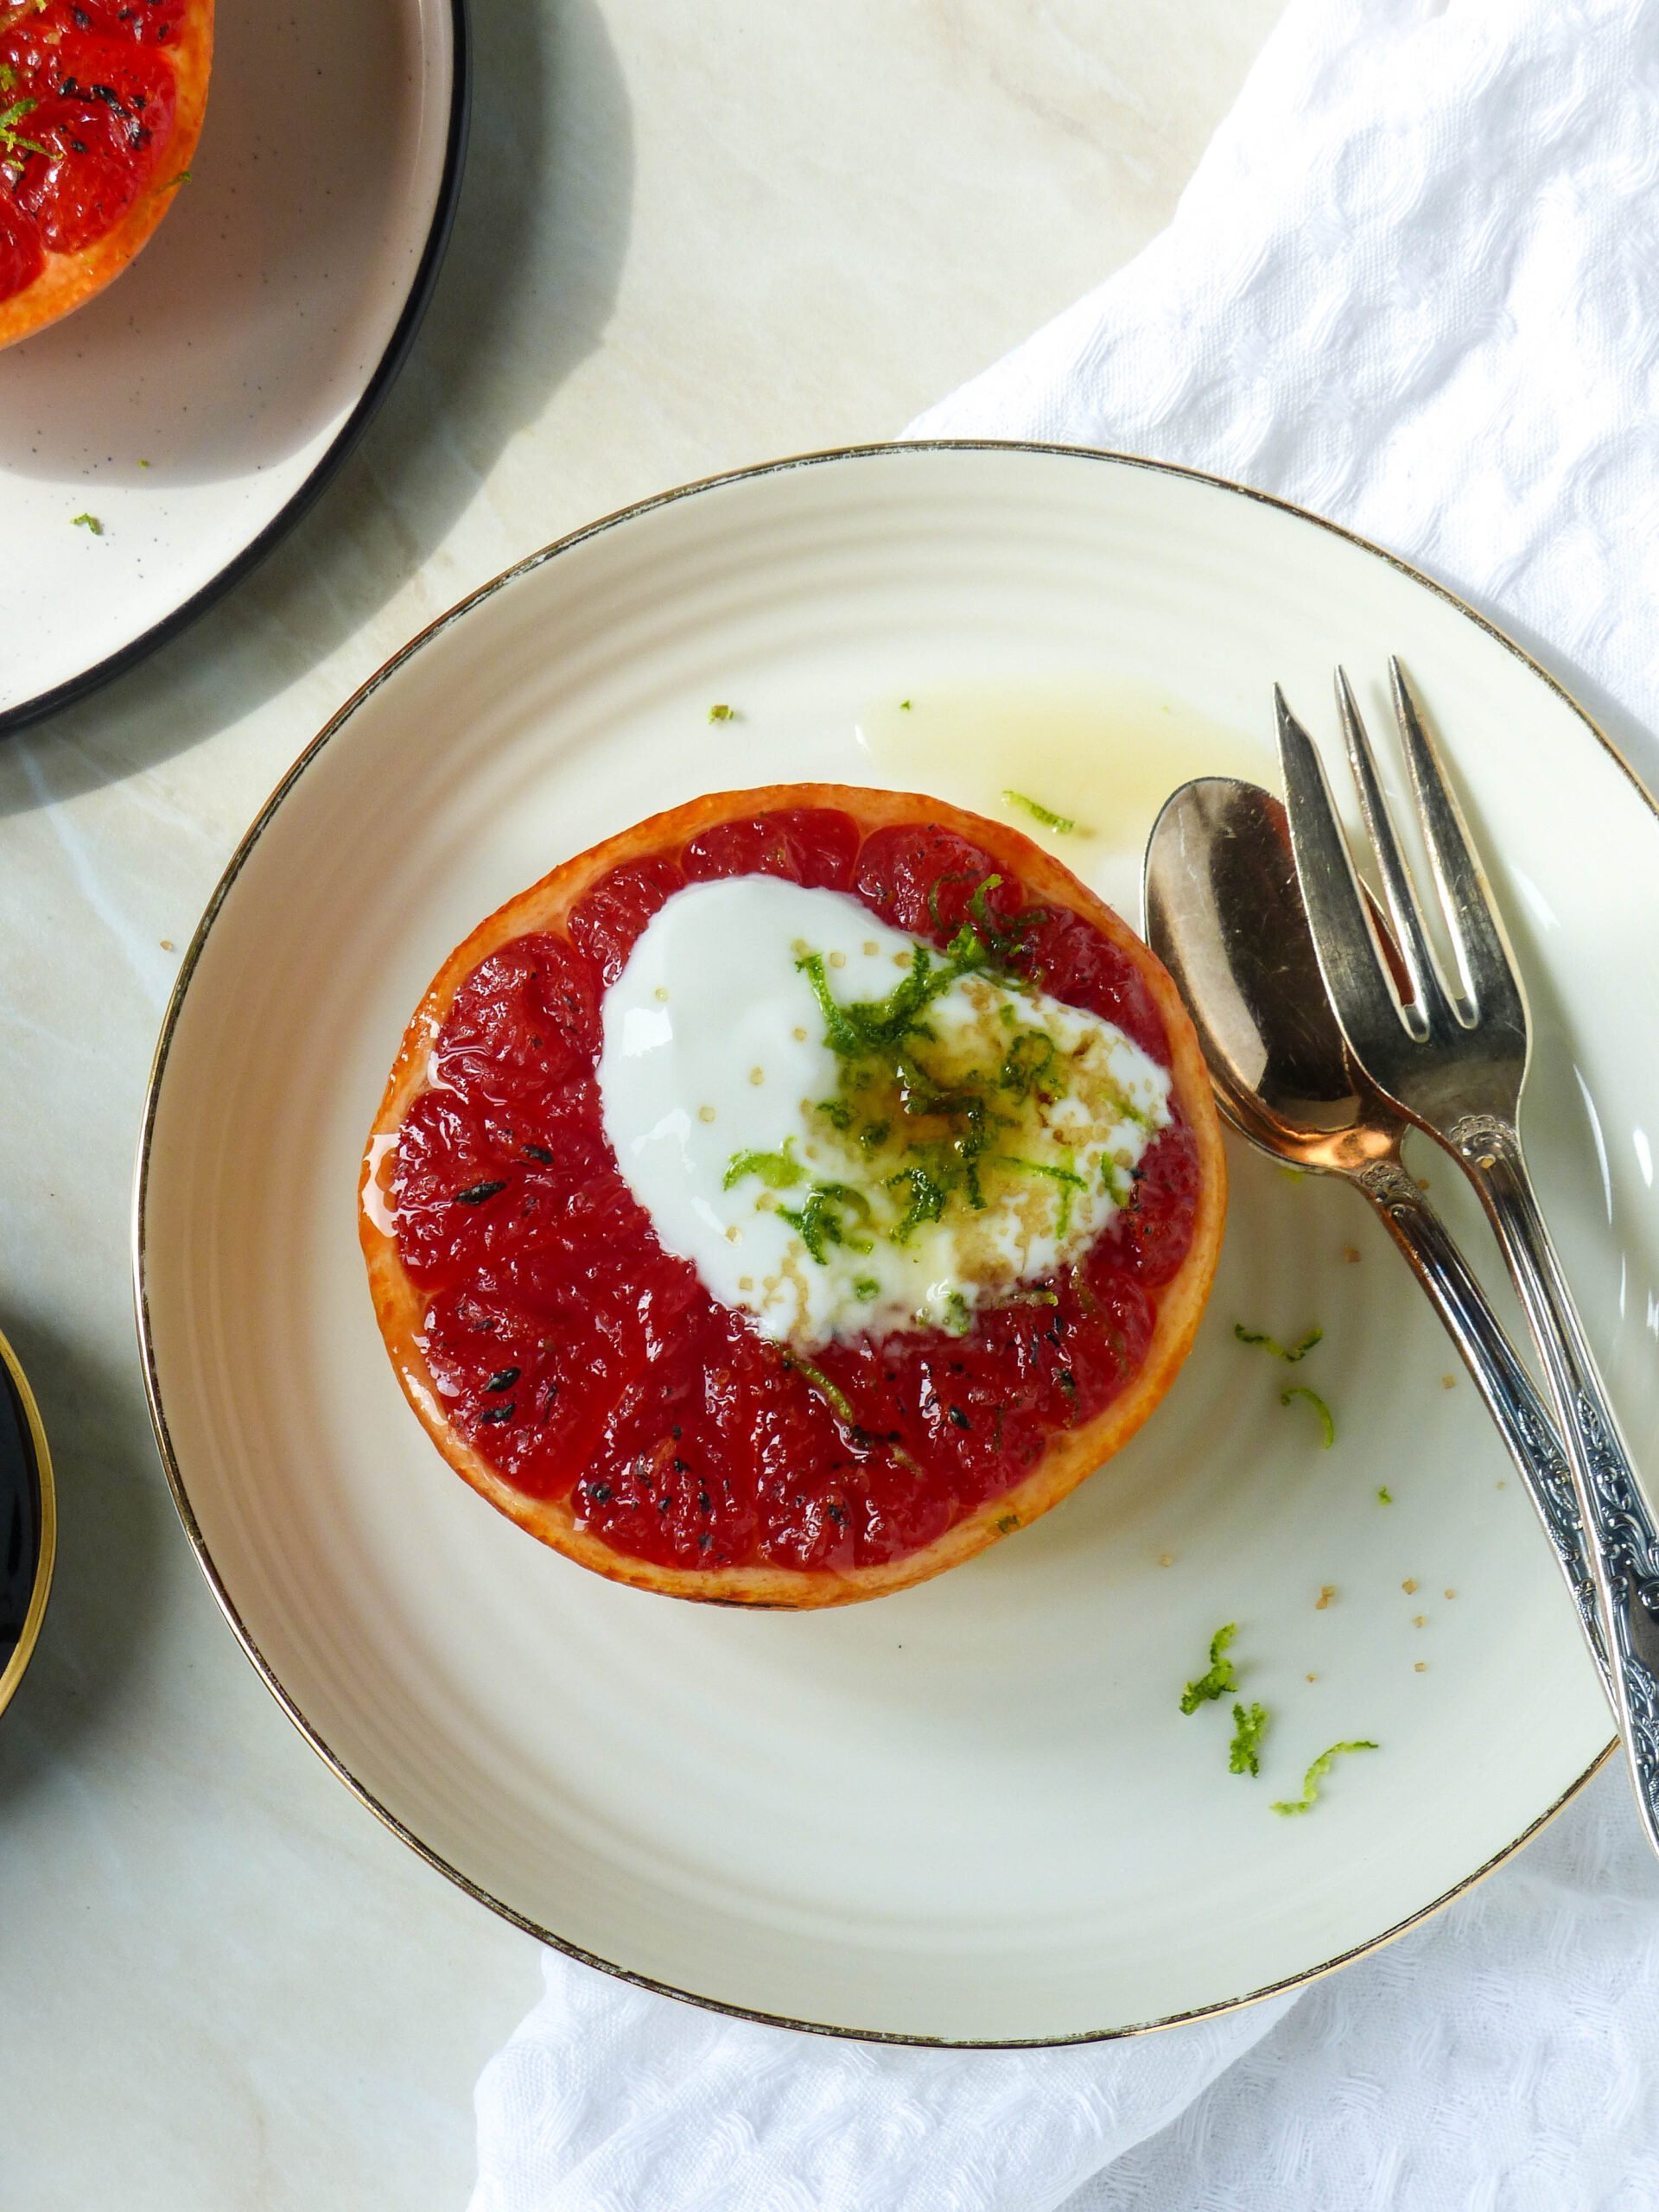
(1224, 912)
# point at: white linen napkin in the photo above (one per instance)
(611, 2100)
(1413, 284)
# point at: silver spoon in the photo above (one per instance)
(1224, 914)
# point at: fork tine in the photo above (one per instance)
(1350, 959)
(1410, 932)
(1484, 962)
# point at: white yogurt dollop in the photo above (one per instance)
(796, 1178)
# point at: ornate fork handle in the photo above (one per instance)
(1512, 1400)
(1622, 1546)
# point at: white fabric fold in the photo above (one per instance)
(1414, 285)
(610, 2098)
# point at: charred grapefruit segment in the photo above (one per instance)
(581, 1377)
(101, 106)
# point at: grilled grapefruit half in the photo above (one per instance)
(807, 1360)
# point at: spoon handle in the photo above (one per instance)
(1522, 1419)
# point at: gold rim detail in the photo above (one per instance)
(22, 1651)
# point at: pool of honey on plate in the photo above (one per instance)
(1096, 754)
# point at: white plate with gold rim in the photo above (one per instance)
(973, 1812)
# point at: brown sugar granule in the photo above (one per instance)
(1327, 1592)
(1409, 1585)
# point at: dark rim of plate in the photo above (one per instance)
(385, 375)
(879, 454)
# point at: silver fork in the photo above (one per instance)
(1454, 1061)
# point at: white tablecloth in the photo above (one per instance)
(1414, 285)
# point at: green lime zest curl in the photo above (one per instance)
(1290, 1352)
(11, 144)
(820, 1381)
(1316, 1775)
(1249, 1726)
(1221, 1681)
(822, 1221)
(777, 1170)
(1061, 824)
(1329, 1426)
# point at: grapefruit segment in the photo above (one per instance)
(583, 1376)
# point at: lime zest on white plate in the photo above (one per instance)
(1061, 824)
(1290, 1352)
(1221, 1680)
(1316, 1775)
(1327, 1425)
(1249, 1726)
